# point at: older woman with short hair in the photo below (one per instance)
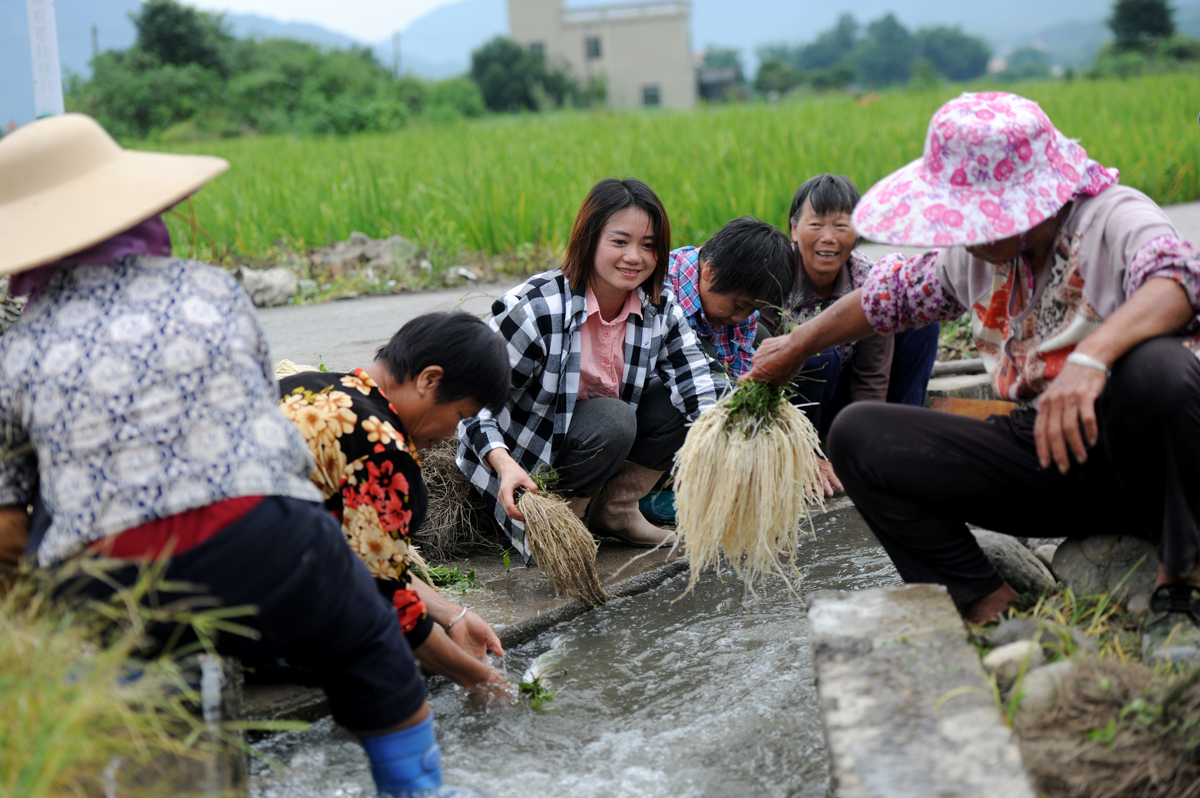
(878, 368)
(1085, 306)
(585, 342)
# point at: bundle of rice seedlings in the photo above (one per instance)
(456, 514)
(560, 543)
(286, 368)
(744, 479)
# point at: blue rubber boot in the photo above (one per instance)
(658, 506)
(406, 762)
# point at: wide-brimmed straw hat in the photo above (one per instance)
(65, 185)
(994, 167)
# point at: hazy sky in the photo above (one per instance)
(368, 20)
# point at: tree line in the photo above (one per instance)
(186, 76)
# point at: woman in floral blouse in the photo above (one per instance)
(365, 430)
(1085, 305)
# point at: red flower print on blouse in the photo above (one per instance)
(409, 609)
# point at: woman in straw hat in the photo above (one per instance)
(1084, 304)
(139, 410)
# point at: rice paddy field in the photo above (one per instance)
(496, 184)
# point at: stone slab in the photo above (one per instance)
(907, 710)
(961, 386)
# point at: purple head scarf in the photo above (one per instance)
(150, 237)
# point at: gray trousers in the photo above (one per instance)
(605, 432)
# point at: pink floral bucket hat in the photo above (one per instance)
(994, 167)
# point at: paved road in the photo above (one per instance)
(345, 334)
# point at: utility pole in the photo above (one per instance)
(43, 46)
(95, 41)
(396, 54)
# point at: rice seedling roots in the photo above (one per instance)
(1117, 729)
(561, 546)
(456, 515)
(744, 479)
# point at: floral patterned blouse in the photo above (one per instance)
(1107, 247)
(370, 476)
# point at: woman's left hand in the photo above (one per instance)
(476, 637)
(1066, 420)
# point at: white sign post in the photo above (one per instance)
(47, 73)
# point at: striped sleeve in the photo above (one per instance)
(526, 356)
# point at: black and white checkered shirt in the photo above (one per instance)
(540, 319)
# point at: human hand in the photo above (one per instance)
(495, 691)
(777, 361)
(1068, 405)
(830, 483)
(476, 637)
(512, 478)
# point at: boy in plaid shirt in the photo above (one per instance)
(746, 266)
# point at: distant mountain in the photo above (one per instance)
(439, 44)
(252, 26)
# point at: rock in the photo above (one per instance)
(1015, 563)
(1041, 687)
(269, 287)
(346, 257)
(1099, 564)
(390, 251)
(1045, 555)
(1007, 661)
(1050, 634)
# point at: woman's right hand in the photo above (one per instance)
(512, 477)
(778, 360)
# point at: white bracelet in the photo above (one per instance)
(450, 625)
(1080, 359)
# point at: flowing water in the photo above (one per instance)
(711, 696)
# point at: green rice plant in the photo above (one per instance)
(536, 693)
(77, 699)
(501, 183)
(451, 578)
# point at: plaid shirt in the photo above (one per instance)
(540, 320)
(734, 343)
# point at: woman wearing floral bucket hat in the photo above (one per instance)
(140, 416)
(1084, 305)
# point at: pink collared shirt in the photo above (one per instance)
(602, 348)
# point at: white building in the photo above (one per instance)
(643, 52)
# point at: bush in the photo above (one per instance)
(458, 95)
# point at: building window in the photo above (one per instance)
(650, 95)
(593, 47)
(538, 49)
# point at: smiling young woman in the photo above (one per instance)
(606, 373)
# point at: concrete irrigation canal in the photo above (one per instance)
(709, 695)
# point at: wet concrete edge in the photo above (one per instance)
(526, 630)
